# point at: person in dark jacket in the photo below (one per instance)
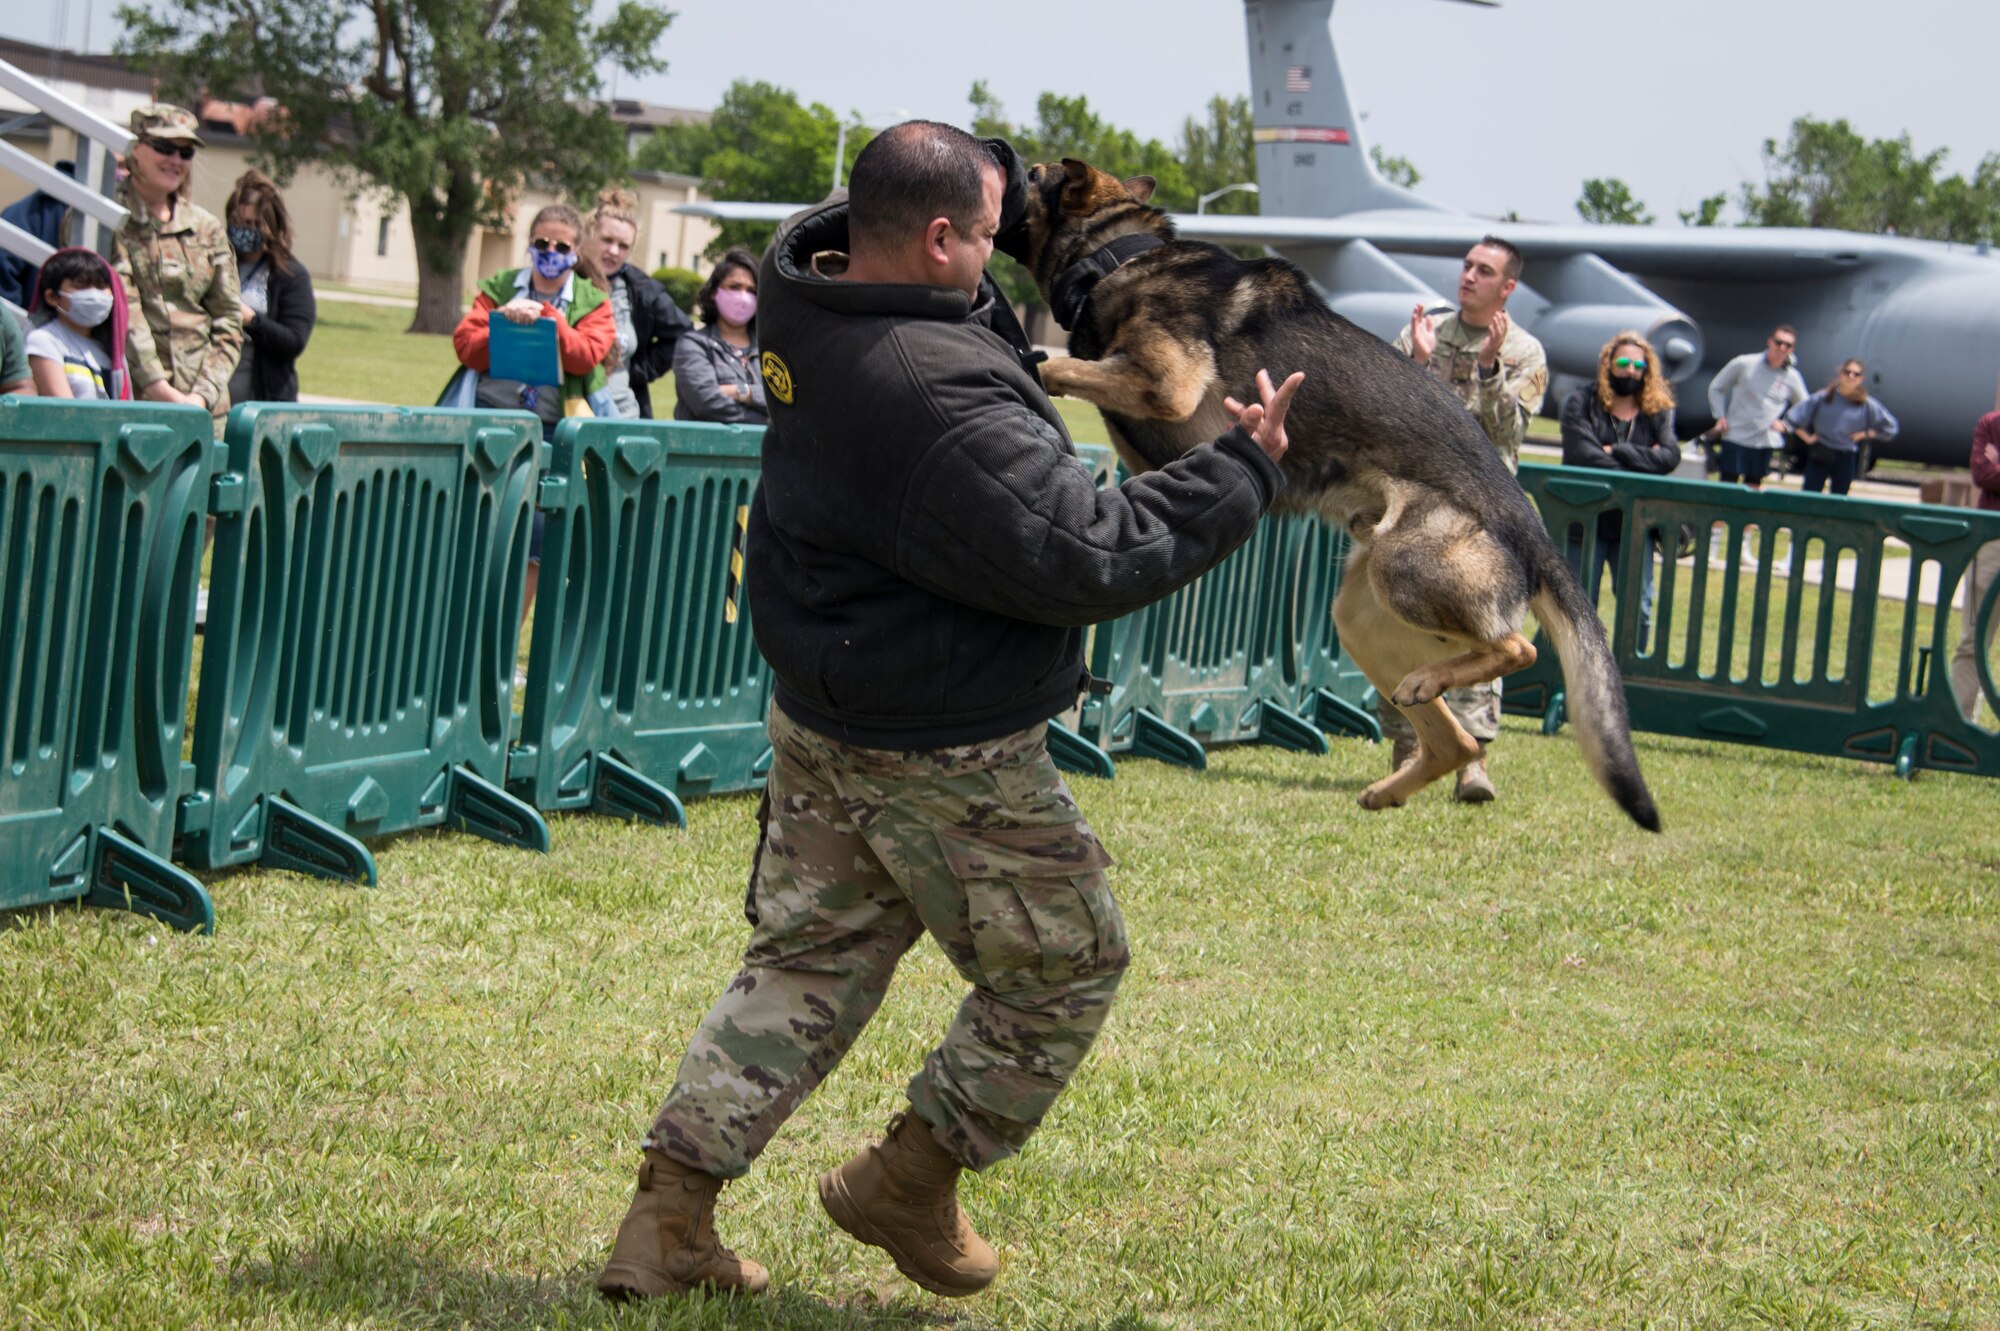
(925, 549)
(1622, 422)
(40, 214)
(716, 374)
(1965, 686)
(277, 293)
(649, 323)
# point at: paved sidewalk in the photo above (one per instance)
(365, 298)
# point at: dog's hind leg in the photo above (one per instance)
(1388, 651)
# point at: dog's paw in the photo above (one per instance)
(1418, 687)
(1380, 796)
(1056, 378)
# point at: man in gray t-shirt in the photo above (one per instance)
(13, 356)
(1746, 398)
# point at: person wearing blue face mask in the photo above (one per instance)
(276, 293)
(74, 342)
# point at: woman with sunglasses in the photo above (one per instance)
(1841, 424)
(716, 374)
(174, 261)
(561, 284)
(1622, 422)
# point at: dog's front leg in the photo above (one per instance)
(1168, 387)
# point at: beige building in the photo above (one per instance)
(346, 237)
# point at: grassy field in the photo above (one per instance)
(1519, 1065)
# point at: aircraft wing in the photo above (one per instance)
(1766, 253)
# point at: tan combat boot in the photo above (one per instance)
(1474, 786)
(666, 1244)
(902, 1196)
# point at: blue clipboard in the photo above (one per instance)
(526, 352)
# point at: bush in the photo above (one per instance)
(681, 284)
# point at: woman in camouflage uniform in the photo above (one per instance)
(175, 261)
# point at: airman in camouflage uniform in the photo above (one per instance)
(1503, 394)
(187, 325)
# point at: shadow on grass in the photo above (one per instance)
(393, 1283)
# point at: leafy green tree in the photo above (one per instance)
(1395, 170)
(1221, 150)
(1609, 200)
(1827, 175)
(1706, 213)
(760, 146)
(446, 105)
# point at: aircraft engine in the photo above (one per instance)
(1579, 303)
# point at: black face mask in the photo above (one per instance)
(1625, 385)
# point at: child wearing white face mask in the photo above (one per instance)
(69, 351)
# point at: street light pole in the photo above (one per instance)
(840, 138)
(1201, 204)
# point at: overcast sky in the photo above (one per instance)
(1508, 108)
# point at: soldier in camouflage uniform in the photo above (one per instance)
(924, 549)
(1500, 373)
(174, 258)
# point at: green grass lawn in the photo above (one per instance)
(1520, 1065)
(361, 351)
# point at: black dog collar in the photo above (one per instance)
(1070, 292)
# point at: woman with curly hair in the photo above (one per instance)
(1841, 425)
(1622, 422)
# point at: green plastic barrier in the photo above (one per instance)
(101, 521)
(645, 686)
(1214, 663)
(1746, 643)
(363, 613)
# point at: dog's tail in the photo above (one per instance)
(1595, 696)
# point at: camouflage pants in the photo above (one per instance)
(862, 852)
(1476, 707)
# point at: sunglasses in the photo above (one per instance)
(184, 151)
(1850, 374)
(544, 245)
(1783, 346)
(1628, 363)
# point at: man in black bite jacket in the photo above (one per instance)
(925, 549)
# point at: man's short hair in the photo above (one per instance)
(909, 174)
(1786, 328)
(1512, 268)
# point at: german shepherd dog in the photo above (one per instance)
(1447, 553)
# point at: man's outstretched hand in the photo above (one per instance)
(1264, 420)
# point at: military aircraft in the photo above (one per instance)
(1923, 315)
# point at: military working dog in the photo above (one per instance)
(1447, 554)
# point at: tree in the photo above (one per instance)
(449, 107)
(760, 146)
(1826, 175)
(1395, 170)
(1706, 213)
(1219, 151)
(1609, 200)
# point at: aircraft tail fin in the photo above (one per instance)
(1311, 160)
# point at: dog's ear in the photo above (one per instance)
(1141, 188)
(1078, 194)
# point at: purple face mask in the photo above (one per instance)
(550, 264)
(738, 307)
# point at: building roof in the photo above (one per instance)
(93, 71)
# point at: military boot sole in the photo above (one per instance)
(840, 1205)
(623, 1284)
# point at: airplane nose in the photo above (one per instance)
(1679, 351)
